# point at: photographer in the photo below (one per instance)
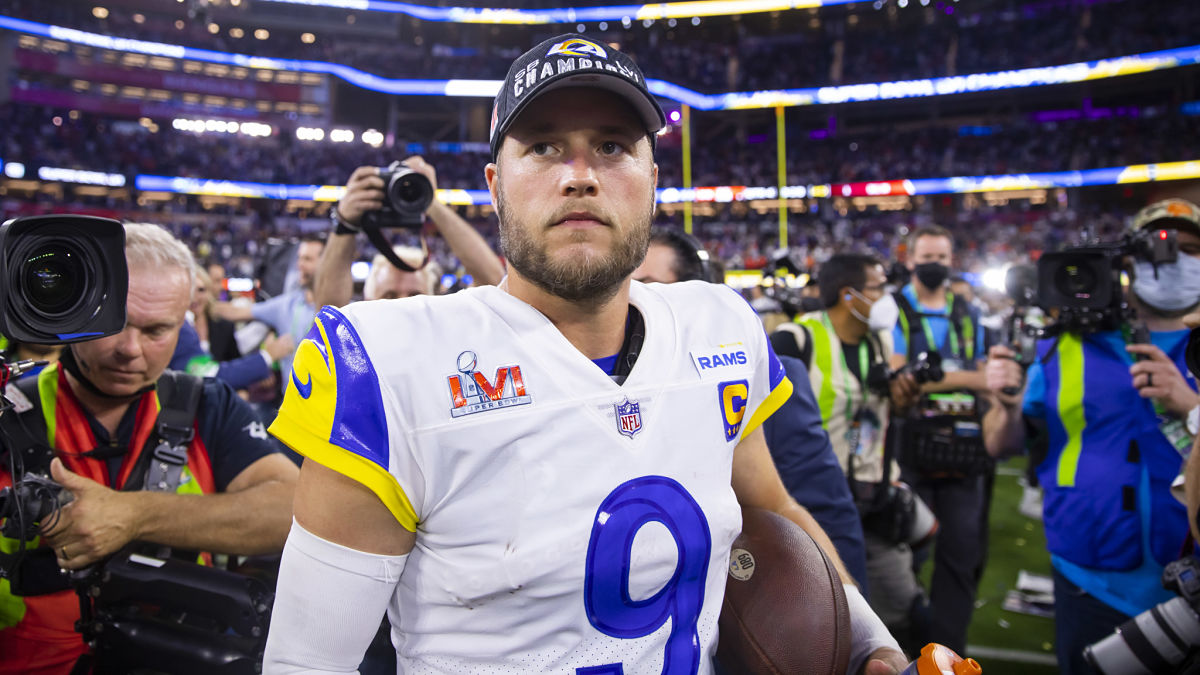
(842, 345)
(1115, 414)
(365, 193)
(940, 444)
(97, 441)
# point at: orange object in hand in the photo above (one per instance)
(936, 659)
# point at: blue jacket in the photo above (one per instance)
(1109, 467)
(810, 470)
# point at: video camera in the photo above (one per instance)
(1083, 283)
(1163, 638)
(63, 279)
(790, 298)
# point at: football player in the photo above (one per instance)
(544, 476)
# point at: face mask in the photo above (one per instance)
(1177, 288)
(883, 315)
(932, 275)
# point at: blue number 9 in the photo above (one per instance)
(606, 582)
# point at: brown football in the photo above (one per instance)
(785, 609)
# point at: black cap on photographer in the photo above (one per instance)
(571, 60)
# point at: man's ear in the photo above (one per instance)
(490, 174)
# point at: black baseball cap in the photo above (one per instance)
(572, 60)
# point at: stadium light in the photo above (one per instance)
(100, 12)
(14, 170)
(372, 137)
(360, 270)
(341, 136)
(258, 129)
(497, 16)
(310, 134)
(993, 278)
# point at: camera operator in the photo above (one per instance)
(100, 437)
(795, 434)
(1116, 415)
(365, 193)
(947, 421)
(843, 345)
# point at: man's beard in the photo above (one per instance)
(592, 278)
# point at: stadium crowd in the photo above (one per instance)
(1094, 139)
(723, 54)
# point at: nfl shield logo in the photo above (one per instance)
(629, 417)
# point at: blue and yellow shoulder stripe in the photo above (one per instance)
(333, 411)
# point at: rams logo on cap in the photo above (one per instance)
(733, 397)
(578, 47)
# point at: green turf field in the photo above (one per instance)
(1017, 543)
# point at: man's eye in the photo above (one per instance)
(610, 148)
(540, 148)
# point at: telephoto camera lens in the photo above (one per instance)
(1154, 641)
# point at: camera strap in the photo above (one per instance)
(179, 396)
(961, 332)
(381, 243)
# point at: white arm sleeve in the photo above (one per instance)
(328, 604)
(867, 632)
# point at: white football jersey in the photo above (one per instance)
(564, 523)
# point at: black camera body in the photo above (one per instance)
(406, 196)
(1084, 282)
(62, 278)
(927, 367)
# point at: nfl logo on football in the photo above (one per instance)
(629, 417)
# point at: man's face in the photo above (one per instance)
(874, 289)
(574, 187)
(123, 364)
(659, 265)
(387, 282)
(308, 256)
(930, 249)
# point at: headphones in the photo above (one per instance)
(696, 262)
